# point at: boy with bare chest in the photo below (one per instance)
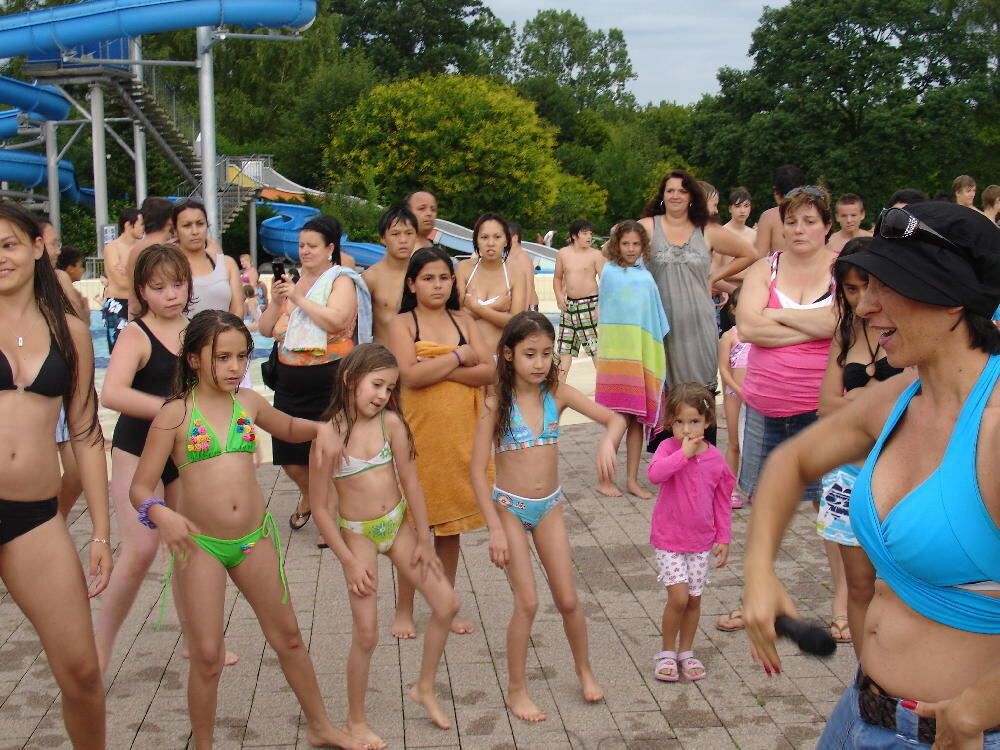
(575, 283)
(397, 229)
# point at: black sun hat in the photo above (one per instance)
(938, 253)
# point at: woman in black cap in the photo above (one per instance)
(926, 505)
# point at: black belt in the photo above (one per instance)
(878, 708)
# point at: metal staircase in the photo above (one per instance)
(239, 178)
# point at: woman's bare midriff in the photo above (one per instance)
(228, 502)
(29, 463)
(913, 657)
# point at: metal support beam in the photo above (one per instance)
(138, 134)
(52, 174)
(252, 218)
(100, 163)
(206, 107)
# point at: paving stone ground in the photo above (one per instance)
(737, 706)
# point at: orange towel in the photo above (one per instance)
(443, 420)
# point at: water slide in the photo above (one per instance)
(52, 30)
(279, 235)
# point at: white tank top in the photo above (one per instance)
(212, 292)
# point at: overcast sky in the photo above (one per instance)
(676, 46)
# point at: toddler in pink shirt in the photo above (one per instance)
(691, 521)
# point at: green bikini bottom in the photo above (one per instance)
(231, 552)
(382, 530)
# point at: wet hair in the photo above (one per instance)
(850, 199)
(491, 216)
(516, 230)
(991, 195)
(909, 196)
(418, 260)
(787, 177)
(518, 328)
(361, 360)
(55, 306)
(579, 225)
(156, 213)
(739, 195)
(960, 183)
(708, 189)
(697, 209)
(846, 334)
(164, 259)
(329, 229)
(248, 292)
(396, 215)
(68, 256)
(614, 250)
(696, 396)
(807, 195)
(127, 215)
(204, 330)
(187, 205)
(983, 333)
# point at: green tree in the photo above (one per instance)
(473, 142)
(593, 65)
(866, 97)
(409, 37)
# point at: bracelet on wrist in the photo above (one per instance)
(99, 540)
(143, 512)
(457, 356)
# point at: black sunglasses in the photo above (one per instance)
(899, 224)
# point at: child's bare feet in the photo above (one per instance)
(329, 736)
(608, 489)
(634, 488)
(229, 661)
(429, 701)
(521, 705)
(403, 627)
(592, 690)
(363, 733)
(461, 626)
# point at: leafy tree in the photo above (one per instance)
(409, 37)
(473, 142)
(593, 65)
(866, 97)
(575, 198)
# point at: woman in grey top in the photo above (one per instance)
(216, 278)
(683, 239)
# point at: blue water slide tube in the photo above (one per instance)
(41, 102)
(8, 121)
(29, 169)
(279, 235)
(51, 29)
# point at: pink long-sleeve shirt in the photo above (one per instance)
(693, 512)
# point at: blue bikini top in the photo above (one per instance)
(518, 435)
(940, 535)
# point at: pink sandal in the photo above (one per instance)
(666, 660)
(736, 499)
(689, 664)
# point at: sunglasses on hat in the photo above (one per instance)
(899, 224)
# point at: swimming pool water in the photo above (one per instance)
(261, 344)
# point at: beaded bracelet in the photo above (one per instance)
(98, 540)
(144, 511)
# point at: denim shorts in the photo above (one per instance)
(845, 730)
(761, 435)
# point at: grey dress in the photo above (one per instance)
(681, 273)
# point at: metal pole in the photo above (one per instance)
(100, 163)
(138, 134)
(252, 213)
(52, 171)
(206, 108)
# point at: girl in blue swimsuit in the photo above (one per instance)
(221, 523)
(365, 514)
(520, 425)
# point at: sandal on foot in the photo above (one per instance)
(666, 660)
(736, 500)
(297, 520)
(732, 622)
(840, 630)
(689, 664)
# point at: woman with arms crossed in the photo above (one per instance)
(926, 504)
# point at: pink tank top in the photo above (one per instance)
(783, 381)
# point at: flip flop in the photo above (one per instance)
(840, 630)
(724, 622)
(297, 520)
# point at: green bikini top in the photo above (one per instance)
(203, 443)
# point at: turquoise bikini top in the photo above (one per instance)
(940, 535)
(518, 435)
(203, 443)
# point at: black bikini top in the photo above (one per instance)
(51, 381)
(856, 373)
(416, 336)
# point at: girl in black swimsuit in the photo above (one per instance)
(47, 361)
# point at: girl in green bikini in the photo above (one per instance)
(365, 514)
(221, 526)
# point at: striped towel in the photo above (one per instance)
(631, 360)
